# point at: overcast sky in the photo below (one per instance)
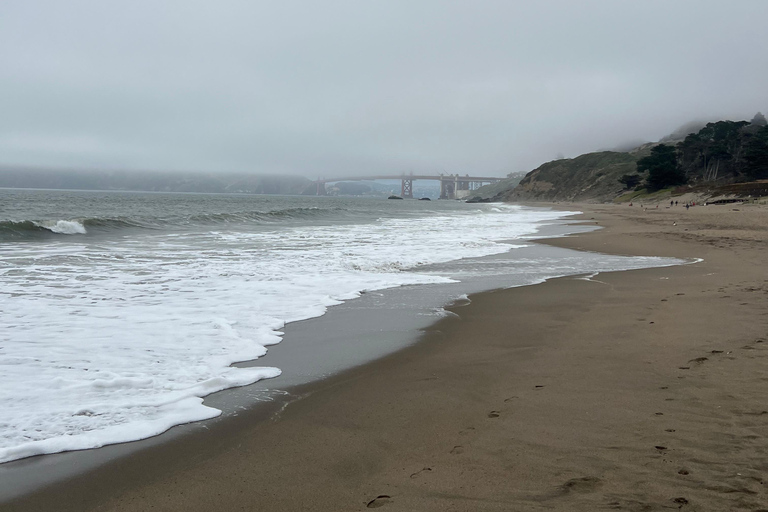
(322, 88)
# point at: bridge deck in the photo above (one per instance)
(439, 177)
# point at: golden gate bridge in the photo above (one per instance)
(452, 186)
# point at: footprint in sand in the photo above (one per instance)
(422, 470)
(582, 485)
(698, 360)
(379, 501)
(457, 450)
(494, 414)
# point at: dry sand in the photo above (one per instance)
(641, 390)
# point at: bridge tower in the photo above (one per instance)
(447, 187)
(406, 188)
(321, 188)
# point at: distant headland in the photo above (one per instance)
(722, 158)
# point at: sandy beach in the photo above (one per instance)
(639, 390)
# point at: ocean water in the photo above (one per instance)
(121, 311)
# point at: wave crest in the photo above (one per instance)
(63, 227)
(29, 229)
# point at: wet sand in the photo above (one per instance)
(639, 390)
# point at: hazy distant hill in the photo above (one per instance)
(358, 188)
(153, 181)
(685, 130)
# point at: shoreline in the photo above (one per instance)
(388, 320)
(387, 428)
(24, 475)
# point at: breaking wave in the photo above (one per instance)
(31, 229)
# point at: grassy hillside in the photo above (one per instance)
(698, 155)
(589, 177)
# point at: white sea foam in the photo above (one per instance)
(64, 227)
(119, 340)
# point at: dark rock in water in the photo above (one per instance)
(394, 197)
(425, 199)
(478, 199)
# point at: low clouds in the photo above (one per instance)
(322, 88)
